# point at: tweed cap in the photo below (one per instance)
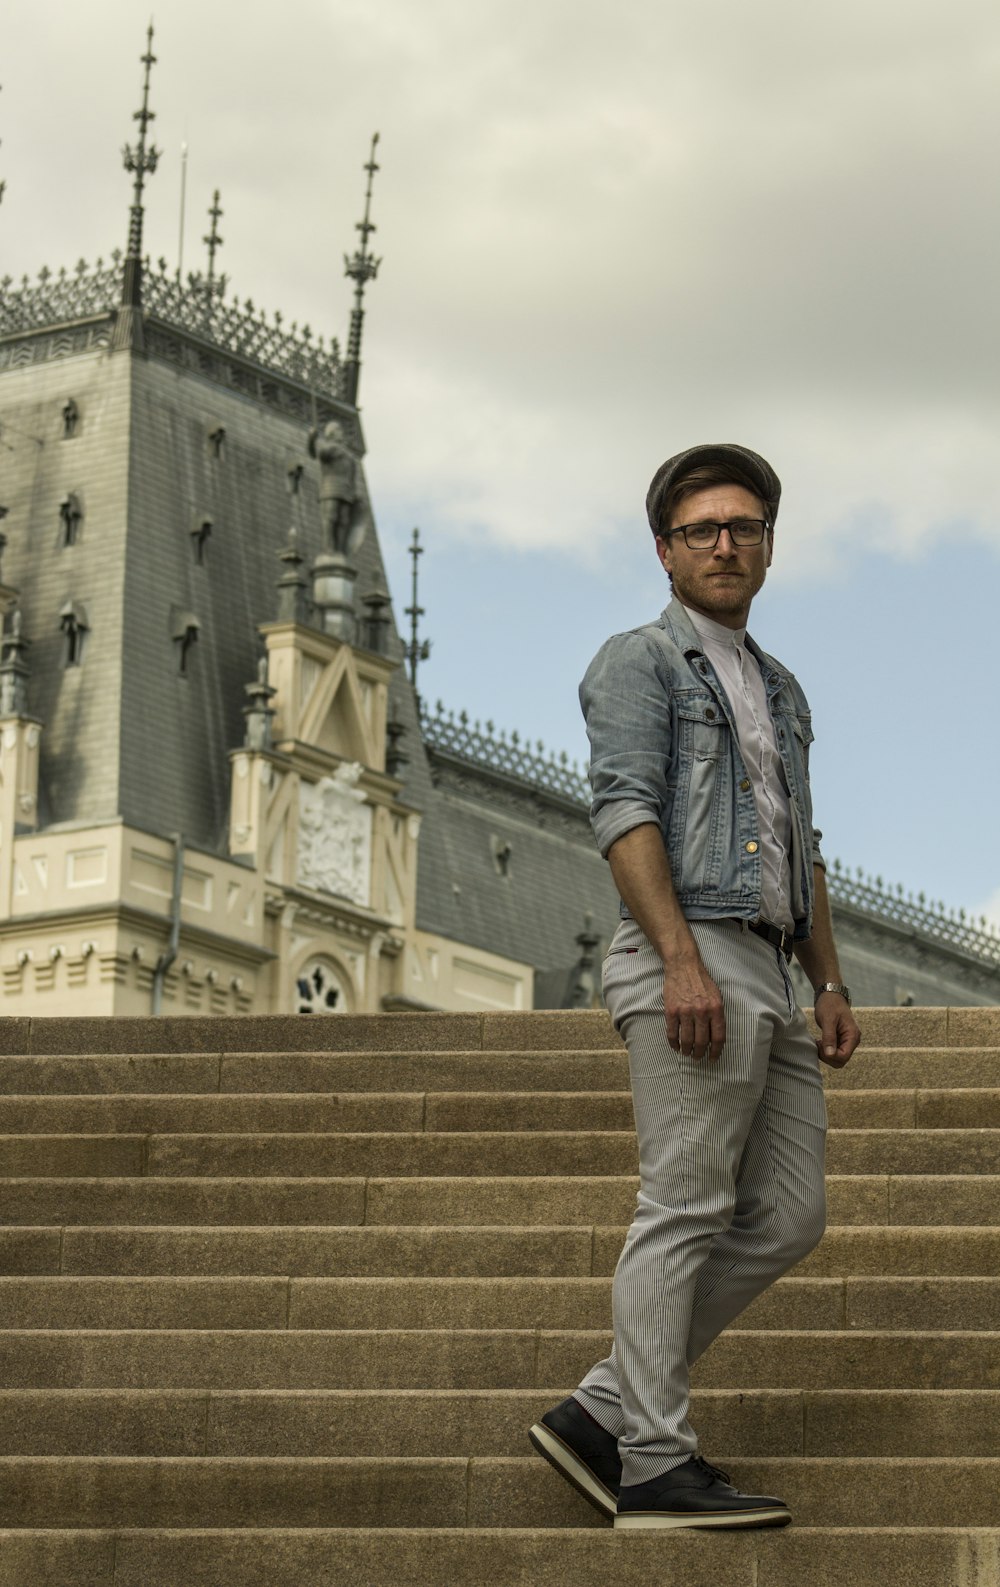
(766, 481)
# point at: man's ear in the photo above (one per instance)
(664, 555)
(770, 546)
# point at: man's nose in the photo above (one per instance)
(724, 546)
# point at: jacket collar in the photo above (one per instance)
(682, 631)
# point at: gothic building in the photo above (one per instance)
(219, 792)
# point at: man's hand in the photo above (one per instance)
(839, 1033)
(696, 1024)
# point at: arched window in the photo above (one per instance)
(319, 989)
(200, 531)
(185, 629)
(70, 514)
(73, 622)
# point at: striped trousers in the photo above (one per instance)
(731, 1190)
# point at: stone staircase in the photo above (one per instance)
(280, 1298)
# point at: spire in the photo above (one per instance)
(292, 584)
(140, 160)
(258, 713)
(418, 649)
(361, 269)
(213, 242)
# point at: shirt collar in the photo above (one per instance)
(711, 632)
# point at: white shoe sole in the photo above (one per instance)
(570, 1466)
(642, 1519)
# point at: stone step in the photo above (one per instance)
(363, 1033)
(513, 1153)
(470, 1423)
(497, 1252)
(475, 1422)
(571, 1070)
(423, 1032)
(525, 1201)
(919, 1108)
(459, 1111)
(355, 1112)
(135, 1114)
(500, 1557)
(103, 1491)
(306, 1073)
(852, 1199)
(934, 1068)
(462, 1303)
(414, 1303)
(477, 1358)
(447, 1153)
(918, 1151)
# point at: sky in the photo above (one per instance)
(609, 232)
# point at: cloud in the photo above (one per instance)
(607, 233)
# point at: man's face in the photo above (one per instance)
(722, 582)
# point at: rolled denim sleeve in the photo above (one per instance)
(625, 696)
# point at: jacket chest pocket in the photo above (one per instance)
(702, 730)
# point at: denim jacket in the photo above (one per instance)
(663, 749)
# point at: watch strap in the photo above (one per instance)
(832, 986)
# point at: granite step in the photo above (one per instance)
(537, 1031)
(524, 1201)
(487, 1491)
(555, 1251)
(478, 1358)
(561, 1070)
(474, 1422)
(446, 1153)
(916, 1068)
(356, 1112)
(462, 1303)
(359, 1112)
(499, 1557)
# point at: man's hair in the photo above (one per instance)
(703, 478)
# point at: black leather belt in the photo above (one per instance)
(775, 935)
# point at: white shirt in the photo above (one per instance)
(741, 679)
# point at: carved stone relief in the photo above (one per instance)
(335, 836)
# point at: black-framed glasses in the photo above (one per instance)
(705, 536)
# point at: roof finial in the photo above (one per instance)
(361, 269)
(418, 649)
(213, 242)
(140, 160)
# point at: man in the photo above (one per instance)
(701, 804)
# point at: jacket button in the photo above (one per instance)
(709, 714)
(745, 785)
(751, 847)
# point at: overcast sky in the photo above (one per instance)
(609, 232)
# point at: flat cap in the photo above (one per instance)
(766, 482)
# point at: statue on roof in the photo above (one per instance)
(340, 497)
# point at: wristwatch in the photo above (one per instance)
(832, 986)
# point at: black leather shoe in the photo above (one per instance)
(582, 1452)
(696, 1494)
